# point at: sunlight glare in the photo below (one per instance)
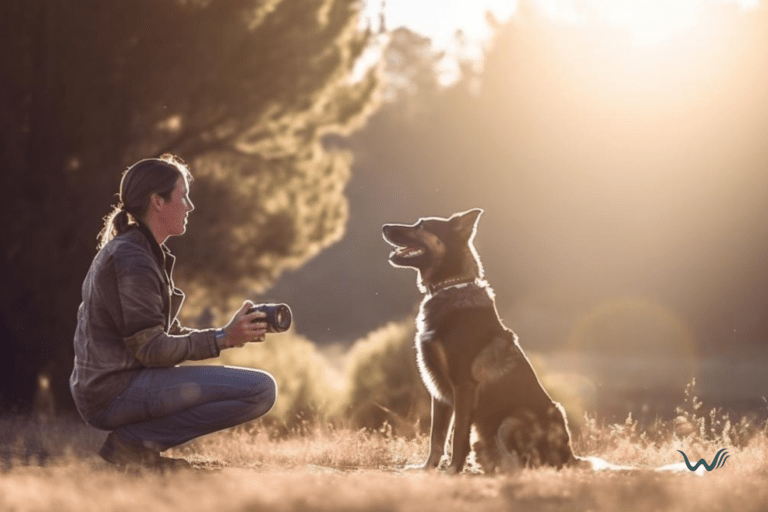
(648, 22)
(563, 11)
(652, 22)
(441, 21)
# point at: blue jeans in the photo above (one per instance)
(165, 407)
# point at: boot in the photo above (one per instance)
(121, 452)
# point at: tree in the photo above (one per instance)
(243, 90)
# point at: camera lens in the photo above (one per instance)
(278, 317)
(282, 318)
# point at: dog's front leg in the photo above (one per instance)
(441, 420)
(464, 401)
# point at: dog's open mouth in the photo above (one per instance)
(407, 252)
(406, 246)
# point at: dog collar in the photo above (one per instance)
(454, 282)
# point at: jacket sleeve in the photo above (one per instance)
(177, 329)
(140, 292)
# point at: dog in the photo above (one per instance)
(471, 364)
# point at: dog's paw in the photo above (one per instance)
(415, 468)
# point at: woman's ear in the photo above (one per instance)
(156, 201)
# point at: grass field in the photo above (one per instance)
(51, 465)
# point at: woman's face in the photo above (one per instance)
(173, 215)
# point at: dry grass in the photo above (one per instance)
(53, 467)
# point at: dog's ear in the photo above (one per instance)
(466, 222)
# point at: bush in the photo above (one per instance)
(380, 384)
(383, 382)
(302, 374)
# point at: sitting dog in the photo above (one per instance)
(469, 361)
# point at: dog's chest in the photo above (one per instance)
(434, 364)
(434, 369)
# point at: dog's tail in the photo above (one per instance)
(598, 464)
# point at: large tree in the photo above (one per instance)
(243, 90)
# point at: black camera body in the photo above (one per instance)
(278, 318)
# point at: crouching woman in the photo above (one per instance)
(128, 340)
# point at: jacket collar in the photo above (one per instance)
(162, 254)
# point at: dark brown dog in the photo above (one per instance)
(471, 364)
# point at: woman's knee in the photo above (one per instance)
(264, 392)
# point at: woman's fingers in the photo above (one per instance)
(248, 326)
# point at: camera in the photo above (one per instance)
(278, 316)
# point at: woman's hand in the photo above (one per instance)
(244, 328)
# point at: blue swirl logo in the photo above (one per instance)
(717, 462)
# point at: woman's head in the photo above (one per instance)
(139, 183)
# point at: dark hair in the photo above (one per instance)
(139, 182)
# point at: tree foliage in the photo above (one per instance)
(243, 90)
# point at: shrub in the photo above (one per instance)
(302, 374)
(383, 382)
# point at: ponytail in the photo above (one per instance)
(116, 223)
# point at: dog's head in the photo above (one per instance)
(439, 249)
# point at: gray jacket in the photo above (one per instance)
(127, 321)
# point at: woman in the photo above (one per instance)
(128, 339)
